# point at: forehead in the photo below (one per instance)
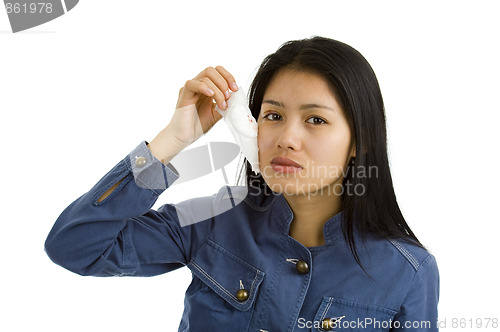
(290, 86)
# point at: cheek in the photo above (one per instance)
(331, 149)
(264, 140)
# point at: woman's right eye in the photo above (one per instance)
(272, 119)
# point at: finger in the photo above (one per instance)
(193, 87)
(190, 92)
(218, 95)
(218, 79)
(228, 77)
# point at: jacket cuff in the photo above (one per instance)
(148, 171)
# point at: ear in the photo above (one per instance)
(353, 150)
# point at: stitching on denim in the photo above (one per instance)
(215, 282)
(303, 290)
(272, 280)
(124, 246)
(254, 270)
(253, 284)
(238, 260)
(329, 304)
(218, 247)
(413, 261)
(125, 179)
(320, 248)
(376, 307)
(408, 255)
(252, 288)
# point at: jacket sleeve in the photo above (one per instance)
(419, 311)
(122, 235)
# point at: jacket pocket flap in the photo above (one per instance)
(226, 274)
(337, 314)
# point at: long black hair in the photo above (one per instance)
(353, 80)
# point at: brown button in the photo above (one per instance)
(302, 267)
(242, 295)
(327, 324)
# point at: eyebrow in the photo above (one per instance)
(302, 107)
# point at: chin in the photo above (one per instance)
(289, 188)
(301, 188)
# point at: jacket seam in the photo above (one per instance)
(266, 296)
(409, 257)
(222, 287)
(357, 304)
(410, 285)
(329, 304)
(213, 280)
(220, 248)
(124, 176)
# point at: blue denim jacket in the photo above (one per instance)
(248, 273)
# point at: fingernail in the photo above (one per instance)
(210, 91)
(227, 94)
(224, 105)
(234, 87)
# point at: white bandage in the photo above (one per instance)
(243, 126)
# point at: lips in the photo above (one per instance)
(285, 162)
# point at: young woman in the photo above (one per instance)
(315, 242)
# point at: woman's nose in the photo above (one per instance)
(289, 136)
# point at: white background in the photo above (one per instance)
(78, 93)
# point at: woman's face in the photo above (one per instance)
(301, 119)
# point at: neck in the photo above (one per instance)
(310, 214)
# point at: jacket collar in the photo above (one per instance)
(259, 201)
(332, 230)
